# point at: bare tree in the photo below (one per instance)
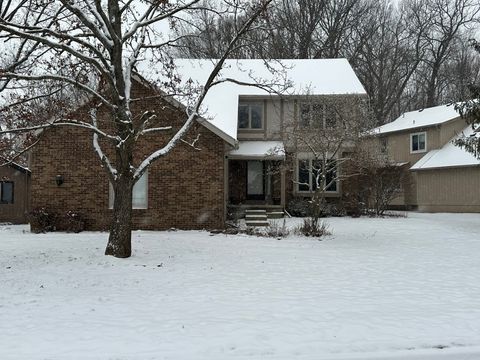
(93, 48)
(446, 20)
(379, 181)
(321, 143)
(470, 109)
(388, 57)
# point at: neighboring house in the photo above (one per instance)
(441, 176)
(243, 148)
(14, 193)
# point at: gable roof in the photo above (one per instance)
(306, 77)
(420, 118)
(449, 155)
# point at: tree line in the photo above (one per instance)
(408, 55)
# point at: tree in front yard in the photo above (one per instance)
(470, 109)
(59, 54)
(321, 142)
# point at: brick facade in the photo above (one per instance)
(185, 188)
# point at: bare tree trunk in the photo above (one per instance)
(120, 239)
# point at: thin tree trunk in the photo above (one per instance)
(120, 239)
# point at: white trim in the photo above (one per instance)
(411, 142)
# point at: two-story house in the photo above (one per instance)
(240, 158)
(441, 176)
(268, 165)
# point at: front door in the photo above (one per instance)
(255, 183)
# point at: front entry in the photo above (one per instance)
(255, 180)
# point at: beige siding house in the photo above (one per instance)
(263, 166)
(441, 176)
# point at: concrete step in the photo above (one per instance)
(257, 223)
(256, 217)
(255, 211)
(275, 215)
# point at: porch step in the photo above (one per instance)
(275, 215)
(257, 223)
(256, 218)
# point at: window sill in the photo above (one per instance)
(310, 193)
(418, 151)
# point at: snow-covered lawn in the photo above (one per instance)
(398, 288)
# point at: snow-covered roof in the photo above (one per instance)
(259, 150)
(448, 156)
(305, 77)
(420, 118)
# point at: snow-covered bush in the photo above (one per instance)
(313, 228)
(277, 230)
(42, 220)
(71, 221)
(298, 207)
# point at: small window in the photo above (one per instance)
(418, 142)
(139, 193)
(6, 192)
(250, 116)
(309, 176)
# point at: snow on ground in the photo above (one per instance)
(393, 288)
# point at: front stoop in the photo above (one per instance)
(256, 218)
(260, 217)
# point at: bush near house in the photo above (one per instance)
(43, 220)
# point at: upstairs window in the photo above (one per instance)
(309, 175)
(250, 116)
(418, 142)
(6, 192)
(317, 115)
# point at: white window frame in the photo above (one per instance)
(411, 142)
(250, 105)
(111, 194)
(310, 178)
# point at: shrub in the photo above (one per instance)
(42, 220)
(276, 230)
(298, 207)
(71, 221)
(313, 228)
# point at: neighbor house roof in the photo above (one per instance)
(449, 155)
(13, 164)
(420, 118)
(259, 150)
(305, 77)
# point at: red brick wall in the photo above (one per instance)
(186, 188)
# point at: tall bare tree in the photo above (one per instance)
(446, 20)
(470, 109)
(388, 57)
(91, 48)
